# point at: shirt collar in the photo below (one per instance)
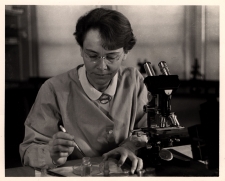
(91, 92)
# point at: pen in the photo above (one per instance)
(64, 130)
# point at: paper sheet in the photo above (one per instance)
(74, 171)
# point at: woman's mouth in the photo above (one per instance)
(102, 75)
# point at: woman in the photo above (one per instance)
(98, 102)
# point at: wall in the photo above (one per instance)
(212, 43)
(58, 51)
(160, 35)
(164, 33)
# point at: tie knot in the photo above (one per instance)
(105, 98)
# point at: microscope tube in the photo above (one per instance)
(164, 68)
(175, 119)
(163, 122)
(173, 123)
(148, 69)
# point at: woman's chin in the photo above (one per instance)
(101, 84)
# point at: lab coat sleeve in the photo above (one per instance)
(135, 142)
(40, 126)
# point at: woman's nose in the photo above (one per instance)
(102, 65)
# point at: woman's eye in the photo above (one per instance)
(110, 58)
(93, 56)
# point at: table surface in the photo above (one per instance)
(172, 168)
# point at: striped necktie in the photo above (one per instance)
(105, 98)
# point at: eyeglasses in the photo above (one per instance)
(110, 59)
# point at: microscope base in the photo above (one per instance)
(150, 159)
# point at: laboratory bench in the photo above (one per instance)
(189, 167)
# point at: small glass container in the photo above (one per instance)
(86, 167)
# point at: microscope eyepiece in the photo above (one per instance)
(164, 68)
(148, 69)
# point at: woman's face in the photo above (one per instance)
(101, 65)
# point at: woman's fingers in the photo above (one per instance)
(64, 142)
(61, 146)
(137, 163)
(140, 164)
(62, 135)
(123, 158)
(60, 154)
(134, 164)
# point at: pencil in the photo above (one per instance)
(64, 130)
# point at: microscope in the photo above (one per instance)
(163, 127)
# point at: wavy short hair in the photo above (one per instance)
(114, 28)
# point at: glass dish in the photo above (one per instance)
(96, 169)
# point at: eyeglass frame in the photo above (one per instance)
(103, 57)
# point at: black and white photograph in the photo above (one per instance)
(112, 90)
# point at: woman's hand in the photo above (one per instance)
(137, 163)
(60, 147)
